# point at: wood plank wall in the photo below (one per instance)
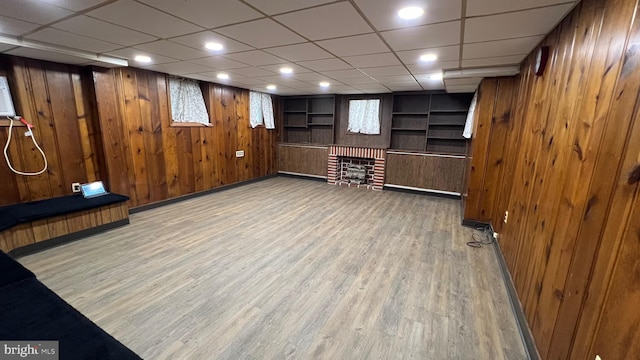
(58, 100)
(303, 159)
(572, 241)
(494, 134)
(149, 160)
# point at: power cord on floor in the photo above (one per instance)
(477, 242)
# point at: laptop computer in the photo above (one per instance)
(93, 189)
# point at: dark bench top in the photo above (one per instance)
(13, 215)
(31, 311)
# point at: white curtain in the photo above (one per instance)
(261, 110)
(267, 111)
(364, 116)
(468, 126)
(187, 102)
(255, 109)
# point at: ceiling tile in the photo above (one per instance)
(385, 71)
(365, 61)
(75, 5)
(47, 55)
(372, 87)
(261, 33)
(202, 77)
(325, 65)
(277, 7)
(355, 45)
(445, 53)
(207, 13)
(252, 72)
(143, 18)
(494, 61)
(131, 53)
(515, 24)
(326, 22)
(5, 47)
(395, 79)
(255, 58)
(98, 29)
(487, 7)
(32, 11)
(276, 68)
(282, 80)
(344, 74)
(219, 63)
(424, 37)
(15, 27)
(309, 76)
(199, 39)
(428, 68)
(404, 87)
(74, 41)
(383, 14)
(300, 52)
(178, 68)
(501, 47)
(359, 81)
(171, 49)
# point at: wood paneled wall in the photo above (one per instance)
(425, 171)
(149, 160)
(494, 135)
(572, 242)
(343, 137)
(59, 101)
(303, 159)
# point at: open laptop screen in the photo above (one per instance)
(93, 189)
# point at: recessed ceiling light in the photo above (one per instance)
(428, 57)
(286, 70)
(271, 87)
(142, 59)
(435, 77)
(410, 12)
(214, 46)
(223, 76)
(324, 84)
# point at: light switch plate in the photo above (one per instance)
(240, 153)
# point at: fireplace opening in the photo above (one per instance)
(356, 171)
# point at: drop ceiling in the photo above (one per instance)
(358, 46)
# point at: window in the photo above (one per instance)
(364, 116)
(187, 102)
(261, 110)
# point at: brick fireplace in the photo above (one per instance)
(356, 167)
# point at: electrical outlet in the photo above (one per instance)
(506, 216)
(598, 357)
(240, 153)
(75, 187)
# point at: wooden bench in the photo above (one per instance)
(29, 227)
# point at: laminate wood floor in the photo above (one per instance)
(291, 269)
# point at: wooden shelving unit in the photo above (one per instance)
(431, 122)
(309, 119)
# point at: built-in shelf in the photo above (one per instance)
(411, 113)
(429, 122)
(308, 119)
